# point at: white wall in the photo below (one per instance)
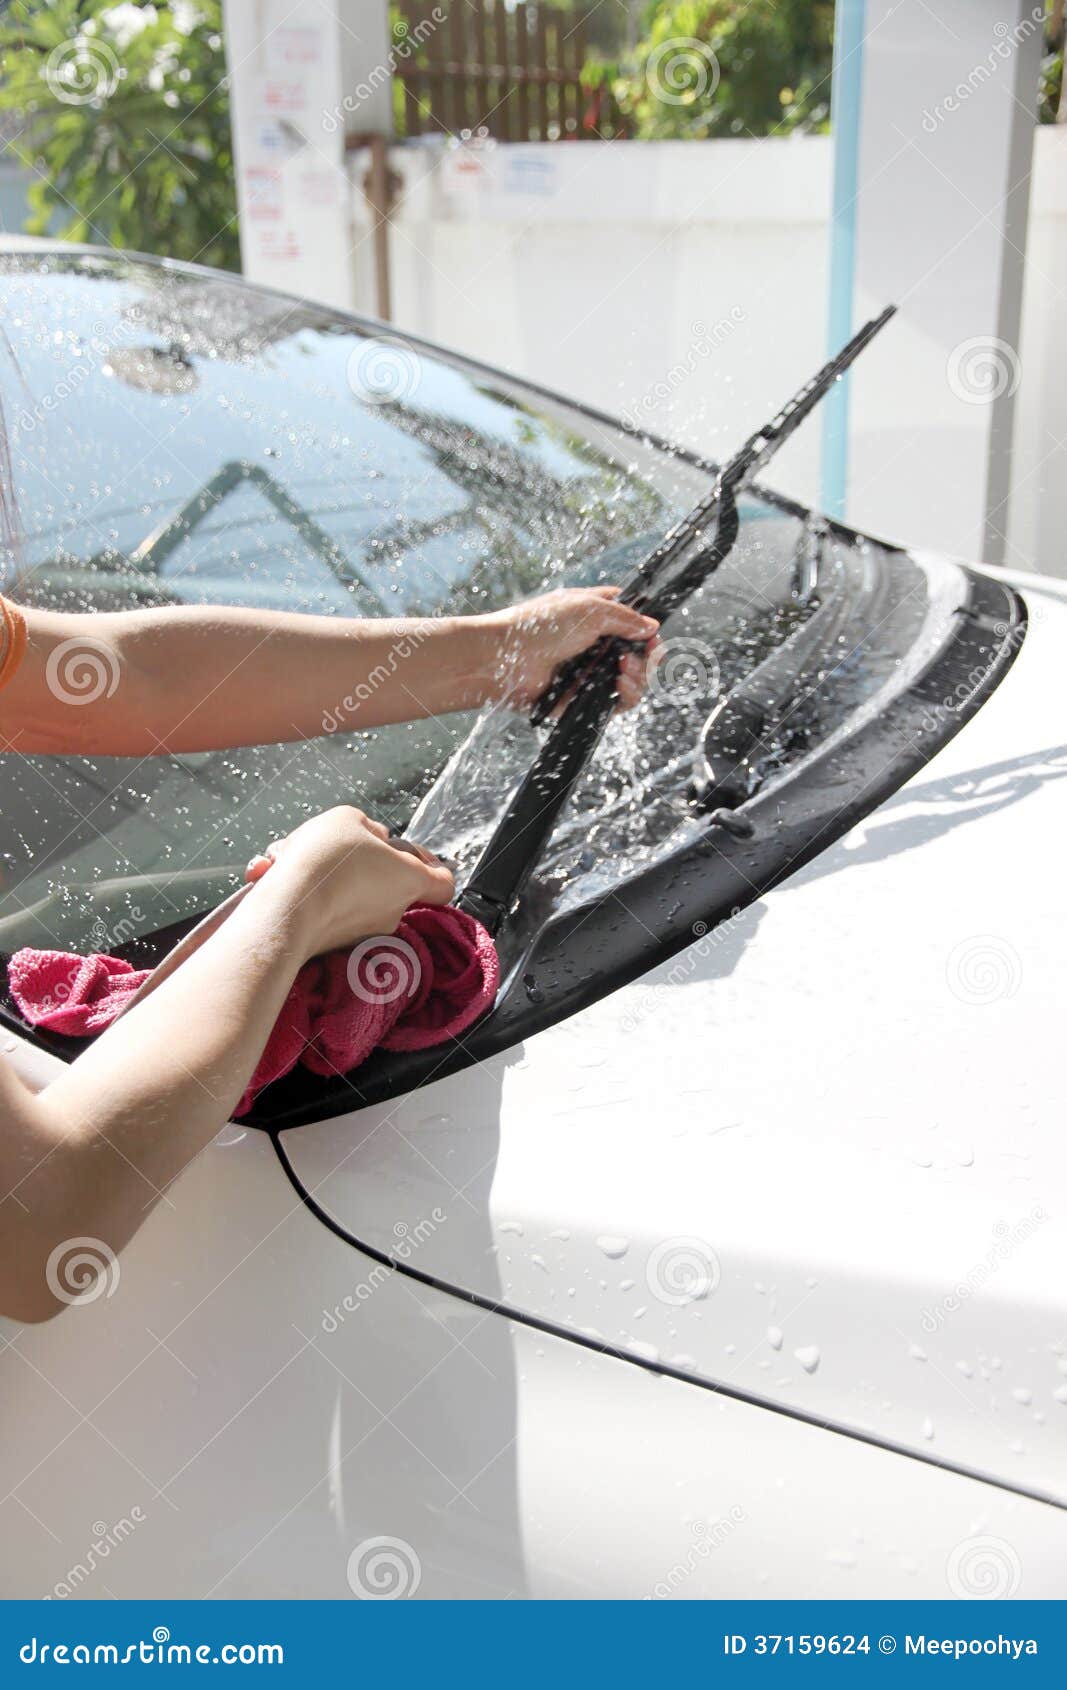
(681, 283)
(685, 282)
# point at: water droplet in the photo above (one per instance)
(647, 1352)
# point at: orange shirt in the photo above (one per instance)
(12, 639)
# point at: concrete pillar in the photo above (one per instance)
(301, 81)
(937, 223)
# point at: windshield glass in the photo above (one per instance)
(183, 438)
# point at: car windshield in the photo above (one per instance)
(179, 437)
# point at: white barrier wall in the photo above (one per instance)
(684, 284)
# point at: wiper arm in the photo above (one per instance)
(524, 829)
(520, 836)
(642, 589)
(726, 769)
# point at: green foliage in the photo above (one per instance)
(720, 68)
(407, 44)
(1051, 88)
(125, 122)
(1051, 105)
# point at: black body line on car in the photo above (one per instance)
(598, 1346)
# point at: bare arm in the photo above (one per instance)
(89, 1156)
(143, 682)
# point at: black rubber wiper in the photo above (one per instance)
(520, 836)
(727, 767)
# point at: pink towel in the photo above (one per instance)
(424, 984)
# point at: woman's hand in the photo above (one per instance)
(144, 1098)
(347, 879)
(535, 637)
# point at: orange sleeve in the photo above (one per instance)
(14, 639)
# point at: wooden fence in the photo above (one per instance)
(512, 73)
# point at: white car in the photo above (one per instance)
(725, 1257)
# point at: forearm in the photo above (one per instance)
(238, 677)
(195, 678)
(198, 679)
(150, 1093)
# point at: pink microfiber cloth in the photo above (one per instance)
(424, 984)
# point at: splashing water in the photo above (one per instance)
(631, 806)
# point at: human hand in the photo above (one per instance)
(347, 879)
(537, 636)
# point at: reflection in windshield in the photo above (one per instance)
(185, 439)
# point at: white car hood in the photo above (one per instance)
(818, 1159)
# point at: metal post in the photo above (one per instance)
(845, 102)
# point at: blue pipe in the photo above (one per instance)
(845, 108)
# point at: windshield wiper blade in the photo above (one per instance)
(523, 831)
(641, 589)
(728, 766)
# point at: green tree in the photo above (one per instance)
(720, 67)
(125, 123)
(1053, 97)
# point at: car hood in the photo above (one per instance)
(816, 1160)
